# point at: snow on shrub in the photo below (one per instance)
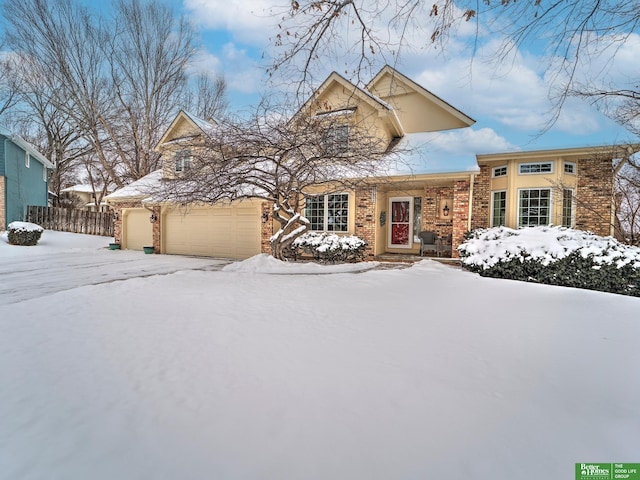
(24, 233)
(331, 248)
(554, 255)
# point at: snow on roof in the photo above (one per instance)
(140, 188)
(204, 125)
(80, 188)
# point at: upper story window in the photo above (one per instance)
(182, 160)
(570, 167)
(499, 171)
(329, 213)
(336, 139)
(532, 168)
(27, 160)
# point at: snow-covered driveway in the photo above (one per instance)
(64, 261)
(427, 372)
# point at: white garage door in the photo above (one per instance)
(137, 230)
(228, 231)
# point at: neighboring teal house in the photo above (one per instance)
(23, 177)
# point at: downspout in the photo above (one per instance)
(472, 178)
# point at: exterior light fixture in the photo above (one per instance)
(445, 210)
(153, 218)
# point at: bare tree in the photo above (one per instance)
(628, 203)
(282, 161)
(359, 34)
(118, 81)
(207, 97)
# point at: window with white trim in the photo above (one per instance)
(533, 168)
(570, 167)
(328, 213)
(499, 171)
(336, 139)
(182, 160)
(27, 160)
(567, 208)
(534, 207)
(498, 208)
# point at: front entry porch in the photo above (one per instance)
(390, 217)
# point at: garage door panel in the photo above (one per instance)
(231, 232)
(137, 230)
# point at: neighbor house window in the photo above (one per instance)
(541, 167)
(499, 171)
(336, 139)
(27, 159)
(567, 208)
(570, 167)
(183, 160)
(498, 208)
(534, 207)
(329, 213)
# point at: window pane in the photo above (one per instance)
(499, 208)
(567, 208)
(314, 212)
(417, 217)
(338, 212)
(534, 207)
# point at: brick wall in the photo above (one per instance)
(3, 207)
(460, 214)
(594, 195)
(480, 214)
(266, 231)
(365, 219)
(431, 220)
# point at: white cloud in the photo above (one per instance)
(515, 95)
(248, 20)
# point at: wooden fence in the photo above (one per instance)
(72, 220)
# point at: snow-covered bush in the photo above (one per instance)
(555, 256)
(331, 248)
(24, 233)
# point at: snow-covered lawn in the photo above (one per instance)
(423, 373)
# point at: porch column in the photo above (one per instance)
(460, 214)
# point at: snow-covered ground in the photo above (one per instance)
(421, 373)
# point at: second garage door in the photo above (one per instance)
(227, 231)
(137, 231)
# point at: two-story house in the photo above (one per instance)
(572, 187)
(24, 177)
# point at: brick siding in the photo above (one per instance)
(460, 214)
(481, 198)
(365, 219)
(594, 195)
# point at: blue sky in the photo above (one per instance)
(509, 103)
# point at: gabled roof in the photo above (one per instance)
(194, 122)
(358, 93)
(27, 147)
(388, 72)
